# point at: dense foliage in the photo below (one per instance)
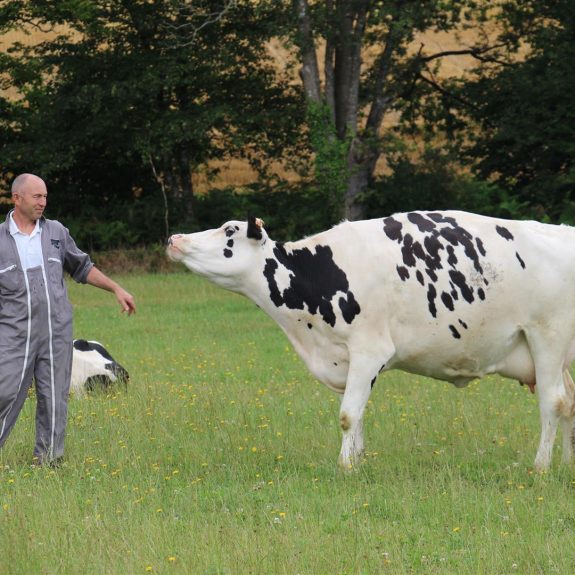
(513, 122)
(125, 103)
(122, 102)
(526, 114)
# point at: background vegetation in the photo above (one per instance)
(220, 458)
(342, 108)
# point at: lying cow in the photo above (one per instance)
(93, 367)
(449, 295)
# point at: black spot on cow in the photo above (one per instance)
(453, 292)
(520, 260)
(373, 381)
(431, 295)
(392, 229)
(269, 273)
(403, 272)
(441, 219)
(480, 247)
(309, 326)
(407, 251)
(504, 233)
(327, 313)
(424, 224)
(459, 280)
(452, 258)
(454, 332)
(315, 279)
(349, 307)
(447, 301)
(419, 277)
(481, 294)
(462, 323)
(230, 231)
(419, 252)
(432, 275)
(433, 247)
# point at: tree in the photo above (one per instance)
(518, 125)
(130, 91)
(372, 68)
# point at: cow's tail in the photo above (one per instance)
(566, 405)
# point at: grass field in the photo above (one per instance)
(221, 459)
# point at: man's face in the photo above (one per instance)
(31, 200)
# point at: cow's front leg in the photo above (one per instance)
(357, 391)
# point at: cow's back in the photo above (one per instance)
(455, 291)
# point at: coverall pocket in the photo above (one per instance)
(10, 280)
(56, 276)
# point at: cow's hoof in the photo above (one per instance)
(350, 465)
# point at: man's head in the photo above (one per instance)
(30, 195)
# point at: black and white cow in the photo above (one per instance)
(449, 295)
(93, 367)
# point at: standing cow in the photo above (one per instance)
(449, 295)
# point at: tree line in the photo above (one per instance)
(121, 102)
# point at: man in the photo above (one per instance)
(36, 316)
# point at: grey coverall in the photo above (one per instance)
(36, 333)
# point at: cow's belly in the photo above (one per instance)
(506, 354)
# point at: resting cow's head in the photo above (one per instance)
(223, 255)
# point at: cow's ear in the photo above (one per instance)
(255, 227)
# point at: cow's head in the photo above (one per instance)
(223, 255)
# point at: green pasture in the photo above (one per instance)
(220, 458)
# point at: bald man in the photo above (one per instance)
(36, 315)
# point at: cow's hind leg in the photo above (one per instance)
(557, 404)
(555, 399)
(548, 398)
(566, 409)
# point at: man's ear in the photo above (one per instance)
(255, 227)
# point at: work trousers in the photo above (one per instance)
(37, 349)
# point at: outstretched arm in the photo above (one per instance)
(100, 280)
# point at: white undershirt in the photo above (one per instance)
(29, 246)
